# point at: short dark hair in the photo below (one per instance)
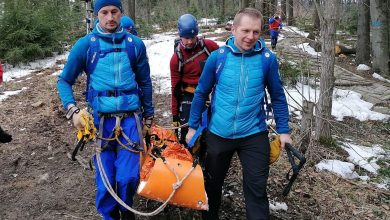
(251, 12)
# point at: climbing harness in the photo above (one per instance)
(117, 132)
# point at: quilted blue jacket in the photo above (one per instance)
(237, 105)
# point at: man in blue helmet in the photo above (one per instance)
(238, 120)
(119, 95)
(129, 25)
(190, 54)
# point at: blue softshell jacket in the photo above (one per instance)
(237, 105)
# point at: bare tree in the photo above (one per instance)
(379, 10)
(245, 3)
(316, 19)
(290, 12)
(129, 8)
(328, 19)
(363, 33)
(283, 9)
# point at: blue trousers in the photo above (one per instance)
(274, 38)
(253, 152)
(122, 169)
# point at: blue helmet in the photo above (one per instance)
(188, 26)
(127, 22)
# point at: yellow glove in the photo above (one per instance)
(79, 119)
(275, 150)
(89, 129)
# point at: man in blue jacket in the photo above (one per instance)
(119, 93)
(128, 24)
(237, 122)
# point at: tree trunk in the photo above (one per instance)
(223, 8)
(283, 9)
(328, 17)
(380, 36)
(266, 12)
(363, 33)
(290, 12)
(316, 19)
(131, 9)
(244, 3)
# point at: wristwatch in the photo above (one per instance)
(71, 111)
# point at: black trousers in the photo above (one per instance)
(274, 41)
(184, 114)
(253, 152)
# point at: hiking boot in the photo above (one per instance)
(4, 136)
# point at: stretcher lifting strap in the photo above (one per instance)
(202, 126)
(291, 153)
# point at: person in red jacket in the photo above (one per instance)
(1, 72)
(275, 24)
(186, 67)
(4, 136)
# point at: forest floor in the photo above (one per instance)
(39, 181)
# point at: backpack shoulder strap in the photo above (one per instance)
(266, 61)
(93, 53)
(130, 49)
(179, 54)
(266, 64)
(203, 45)
(221, 59)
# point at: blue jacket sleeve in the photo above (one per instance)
(72, 69)
(205, 85)
(142, 72)
(271, 20)
(278, 98)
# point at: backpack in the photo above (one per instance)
(179, 54)
(94, 54)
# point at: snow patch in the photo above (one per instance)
(308, 49)
(363, 67)
(381, 78)
(343, 169)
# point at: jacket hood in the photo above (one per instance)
(117, 36)
(260, 45)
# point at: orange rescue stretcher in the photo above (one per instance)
(166, 164)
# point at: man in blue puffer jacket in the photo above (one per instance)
(119, 92)
(237, 122)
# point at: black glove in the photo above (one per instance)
(175, 121)
(147, 125)
(4, 137)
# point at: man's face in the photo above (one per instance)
(188, 42)
(246, 33)
(109, 18)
